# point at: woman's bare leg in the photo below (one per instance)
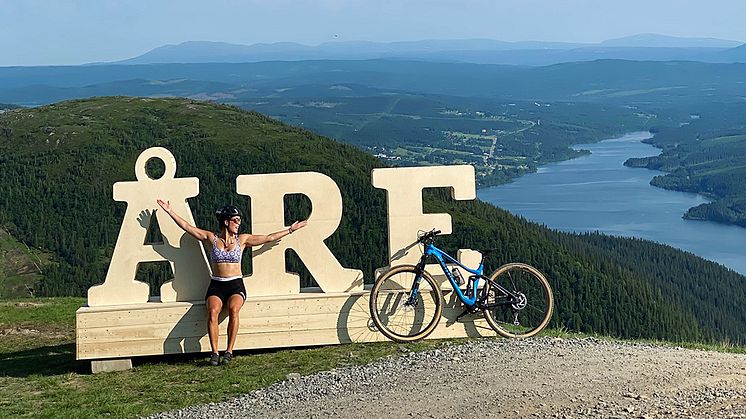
(214, 306)
(235, 302)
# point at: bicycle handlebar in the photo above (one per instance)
(428, 235)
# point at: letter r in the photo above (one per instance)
(268, 215)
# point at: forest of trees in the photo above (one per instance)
(59, 163)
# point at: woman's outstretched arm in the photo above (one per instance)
(193, 231)
(259, 239)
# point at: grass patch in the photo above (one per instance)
(467, 136)
(64, 389)
(710, 142)
(721, 170)
(39, 376)
(20, 266)
(35, 322)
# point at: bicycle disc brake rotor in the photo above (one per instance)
(409, 304)
(520, 301)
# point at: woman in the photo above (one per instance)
(226, 286)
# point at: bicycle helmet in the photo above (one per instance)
(227, 212)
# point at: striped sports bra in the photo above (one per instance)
(225, 256)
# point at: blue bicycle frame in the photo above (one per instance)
(443, 258)
(473, 300)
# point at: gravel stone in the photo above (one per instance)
(542, 378)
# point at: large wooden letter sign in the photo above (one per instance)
(185, 255)
(404, 199)
(267, 212)
(122, 320)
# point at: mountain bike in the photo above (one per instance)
(406, 303)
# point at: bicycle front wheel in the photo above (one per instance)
(519, 301)
(403, 311)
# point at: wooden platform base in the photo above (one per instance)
(305, 319)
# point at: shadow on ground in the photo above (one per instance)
(46, 360)
(60, 359)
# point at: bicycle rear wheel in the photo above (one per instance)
(521, 303)
(398, 315)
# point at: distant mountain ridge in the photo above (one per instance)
(481, 51)
(612, 81)
(210, 51)
(737, 54)
(652, 40)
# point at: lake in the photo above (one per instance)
(598, 193)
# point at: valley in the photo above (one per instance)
(501, 140)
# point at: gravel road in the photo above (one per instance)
(544, 377)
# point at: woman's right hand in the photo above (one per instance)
(166, 205)
(193, 231)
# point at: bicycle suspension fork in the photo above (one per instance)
(419, 269)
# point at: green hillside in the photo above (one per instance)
(21, 267)
(60, 161)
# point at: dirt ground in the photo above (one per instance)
(546, 377)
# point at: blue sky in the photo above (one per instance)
(45, 32)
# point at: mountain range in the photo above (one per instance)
(616, 81)
(480, 51)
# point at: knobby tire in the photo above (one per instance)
(392, 317)
(532, 313)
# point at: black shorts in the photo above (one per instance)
(225, 289)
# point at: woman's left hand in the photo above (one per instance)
(298, 225)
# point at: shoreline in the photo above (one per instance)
(603, 195)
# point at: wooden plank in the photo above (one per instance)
(248, 325)
(304, 320)
(261, 306)
(141, 347)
